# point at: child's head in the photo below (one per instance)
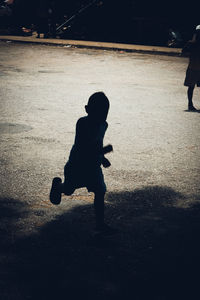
(97, 107)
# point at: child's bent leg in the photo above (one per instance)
(55, 193)
(99, 208)
(58, 188)
(67, 188)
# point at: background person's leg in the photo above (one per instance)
(190, 95)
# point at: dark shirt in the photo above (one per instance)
(193, 50)
(88, 144)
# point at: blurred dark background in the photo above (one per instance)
(128, 21)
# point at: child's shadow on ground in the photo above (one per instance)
(154, 254)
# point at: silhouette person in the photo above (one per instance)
(42, 18)
(192, 77)
(83, 168)
(52, 19)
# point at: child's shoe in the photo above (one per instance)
(55, 193)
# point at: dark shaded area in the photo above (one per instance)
(129, 21)
(155, 255)
(10, 211)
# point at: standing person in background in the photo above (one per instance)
(42, 18)
(192, 78)
(52, 19)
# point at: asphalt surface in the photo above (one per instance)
(153, 183)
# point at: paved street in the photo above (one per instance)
(153, 183)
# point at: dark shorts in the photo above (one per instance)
(78, 177)
(192, 78)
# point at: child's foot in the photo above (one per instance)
(55, 193)
(106, 229)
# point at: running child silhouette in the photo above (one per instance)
(83, 168)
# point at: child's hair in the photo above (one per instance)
(98, 100)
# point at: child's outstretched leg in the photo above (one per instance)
(101, 226)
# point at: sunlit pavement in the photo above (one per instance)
(92, 44)
(156, 140)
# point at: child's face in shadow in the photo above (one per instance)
(98, 113)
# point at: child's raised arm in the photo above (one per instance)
(107, 149)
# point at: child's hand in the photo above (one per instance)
(106, 163)
(107, 149)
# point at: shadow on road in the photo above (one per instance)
(154, 256)
(192, 111)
